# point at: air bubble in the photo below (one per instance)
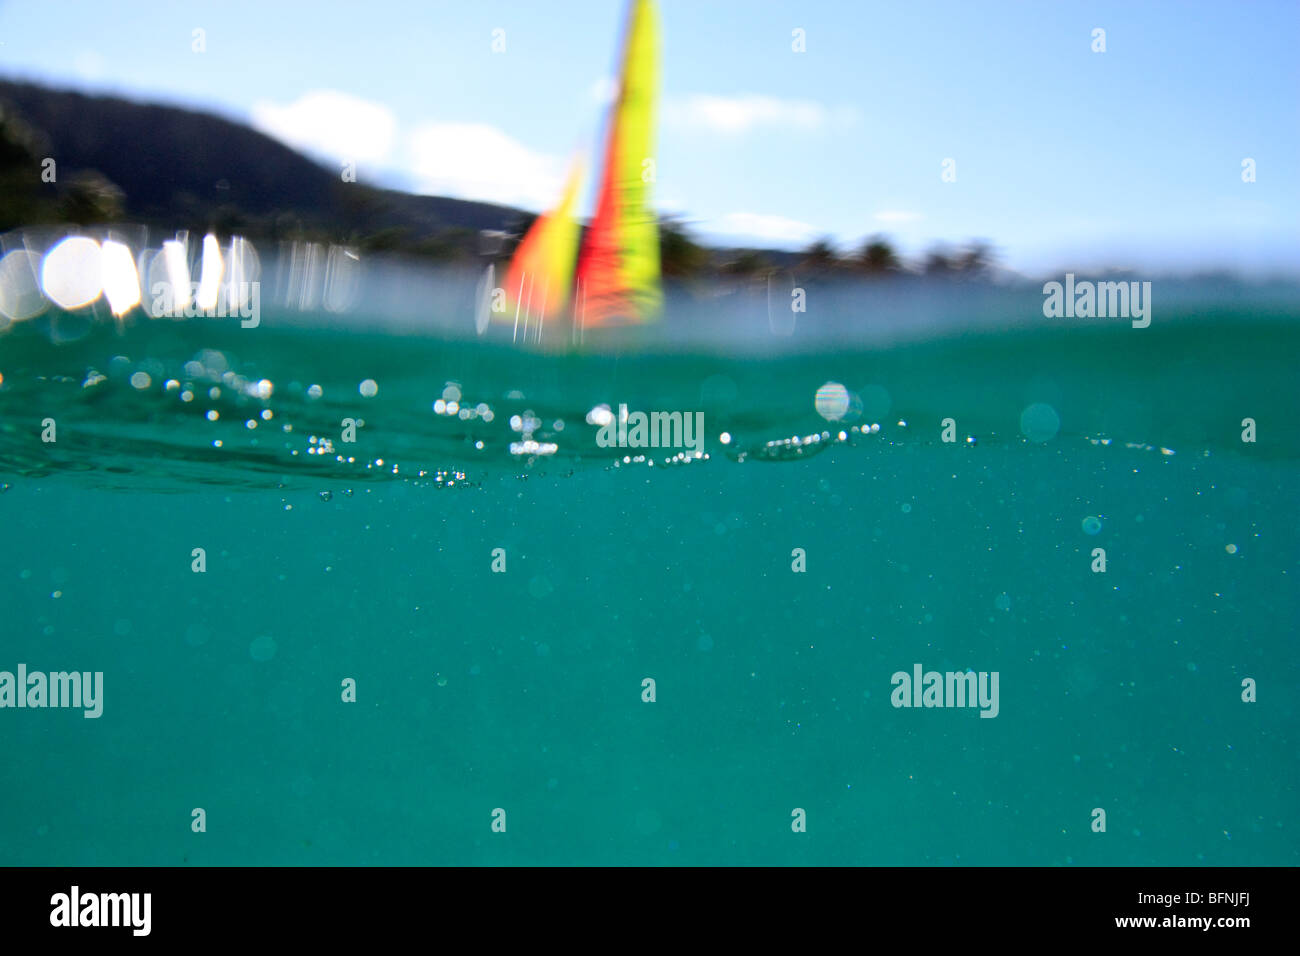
(263, 648)
(832, 401)
(1039, 422)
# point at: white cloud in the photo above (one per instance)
(740, 114)
(477, 161)
(464, 160)
(768, 228)
(337, 126)
(603, 91)
(896, 216)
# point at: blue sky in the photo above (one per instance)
(1064, 158)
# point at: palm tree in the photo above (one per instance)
(878, 257)
(976, 259)
(820, 256)
(939, 262)
(679, 255)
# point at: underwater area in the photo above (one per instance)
(370, 651)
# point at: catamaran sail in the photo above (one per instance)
(617, 269)
(541, 272)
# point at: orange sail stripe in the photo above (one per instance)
(599, 268)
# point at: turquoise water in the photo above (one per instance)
(522, 690)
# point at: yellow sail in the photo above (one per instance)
(618, 267)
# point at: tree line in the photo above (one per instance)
(683, 258)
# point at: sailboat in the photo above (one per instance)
(609, 273)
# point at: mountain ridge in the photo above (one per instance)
(180, 168)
